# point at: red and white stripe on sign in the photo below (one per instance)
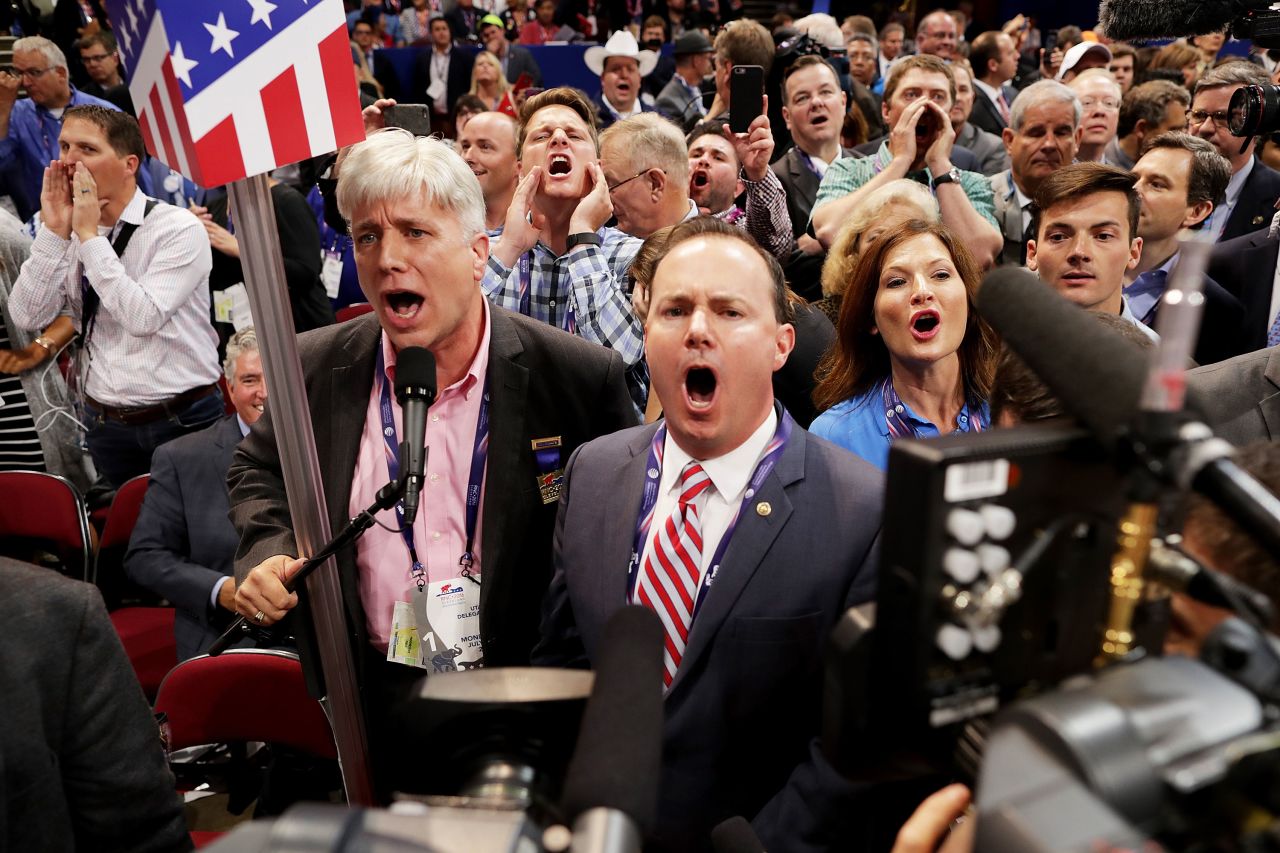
(668, 582)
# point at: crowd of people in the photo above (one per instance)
(672, 356)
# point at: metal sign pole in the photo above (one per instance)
(263, 267)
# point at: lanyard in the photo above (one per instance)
(479, 455)
(808, 161)
(899, 427)
(526, 291)
(649, 500)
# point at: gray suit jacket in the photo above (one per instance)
(183, 541)
(542, 382)
(987, 147)
(1009, 215)
(1243, 394)
(675, 102)
(81, 766)
(521, 61)
(744, 707)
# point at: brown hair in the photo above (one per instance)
(561, 96)
(860, 359)
(1149, 101)
(984, 49)
(1174, 55)
(1209, 171)
(1084, 179)
(121, 129)
(1119, 49)
(923, 61)
(745, 42)
(801, 64)
(709, 226)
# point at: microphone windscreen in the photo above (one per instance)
(415, 369)
(618, 758)
(1125, 20)
(735, 835)
(1097, 374)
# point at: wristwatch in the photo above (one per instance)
(951, 177)
(48, 343)
(584, 238)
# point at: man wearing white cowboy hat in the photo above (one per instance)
(621, 64)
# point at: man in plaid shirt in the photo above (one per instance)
(555, 260)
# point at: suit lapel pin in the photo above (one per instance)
(763, 509)
(1258, 220)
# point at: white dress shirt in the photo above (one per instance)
(993, 94)
(1218, 219)
(729, 475)
(152, 338)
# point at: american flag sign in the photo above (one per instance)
(225, 89)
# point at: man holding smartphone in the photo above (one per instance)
(917, 99)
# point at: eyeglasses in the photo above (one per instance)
(1105, 103)
(25, 73)
(95, 58)
(1198, 117)
(614, 187)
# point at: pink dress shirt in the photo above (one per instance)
(439, 531)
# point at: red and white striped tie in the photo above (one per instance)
(668, 583)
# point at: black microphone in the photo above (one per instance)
(735, 835)
(611, 786)
(1125, 20)
(415, 392)
(1099, 377)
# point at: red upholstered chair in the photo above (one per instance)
(350, 312)
(147, 636)
(244, 695)
(108, 563)
(45, 508)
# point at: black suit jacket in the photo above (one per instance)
(801, 185)
(985, 114)
(183, 542)
(457, 81)
(1246, 266)
(542, 382)
(743, 710)
(81, 765)
(1244, 396)
(521, 61)
(1256, 204)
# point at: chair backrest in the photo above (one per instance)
(124, 512)
(35, 505)
(350, 312)
(244, 695)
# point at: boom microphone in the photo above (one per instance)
(415, 392)
(735, 835)
(611, 787)
(1125, 20)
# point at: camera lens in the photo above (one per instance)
(1254, 110)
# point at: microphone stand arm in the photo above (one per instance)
(387, 497)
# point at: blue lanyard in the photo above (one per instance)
(899, 426)
(808, 161)
(649, 500)
(526, 290)
(479, 456)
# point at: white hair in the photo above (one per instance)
(243, 341)
(648, 140)
(1040, 92)
(393, 164)
(1096, 74)
(823, 29)
(39, 44)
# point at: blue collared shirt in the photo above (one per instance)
(859, 425)
(1144, 292)
(33, 137)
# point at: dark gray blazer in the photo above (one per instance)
(985, 114)
(1242, 396)
(744, 708)
(542, 382)
(81, 766)
(183, 541)
(1246, 267)
(521, 61)
(1256, 204)
(801, 185)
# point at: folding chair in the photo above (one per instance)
(108, 563)
(147, 636)
(45, 508)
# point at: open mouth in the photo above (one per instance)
(700, 387)
(818, 120)
(404, 304)
(700, 179)
(924, 325)
(559, 164)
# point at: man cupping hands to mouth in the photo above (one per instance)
(555, 260)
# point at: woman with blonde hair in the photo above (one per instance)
(1177, 56)
(895, 202)
(912, 357)
(487, 80)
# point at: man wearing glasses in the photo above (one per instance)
(102, 64)
(1254, 187)
(1099, 95)
(29, 126)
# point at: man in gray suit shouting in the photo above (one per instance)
(745, 534)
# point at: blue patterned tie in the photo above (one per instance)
(1273, 334)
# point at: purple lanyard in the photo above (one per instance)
(479, 455)
(649, 500)
(894, 412)
(526, 289)
(808, 161)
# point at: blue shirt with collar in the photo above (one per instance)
(1144, 292)
(859, 425)
(33, 138)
